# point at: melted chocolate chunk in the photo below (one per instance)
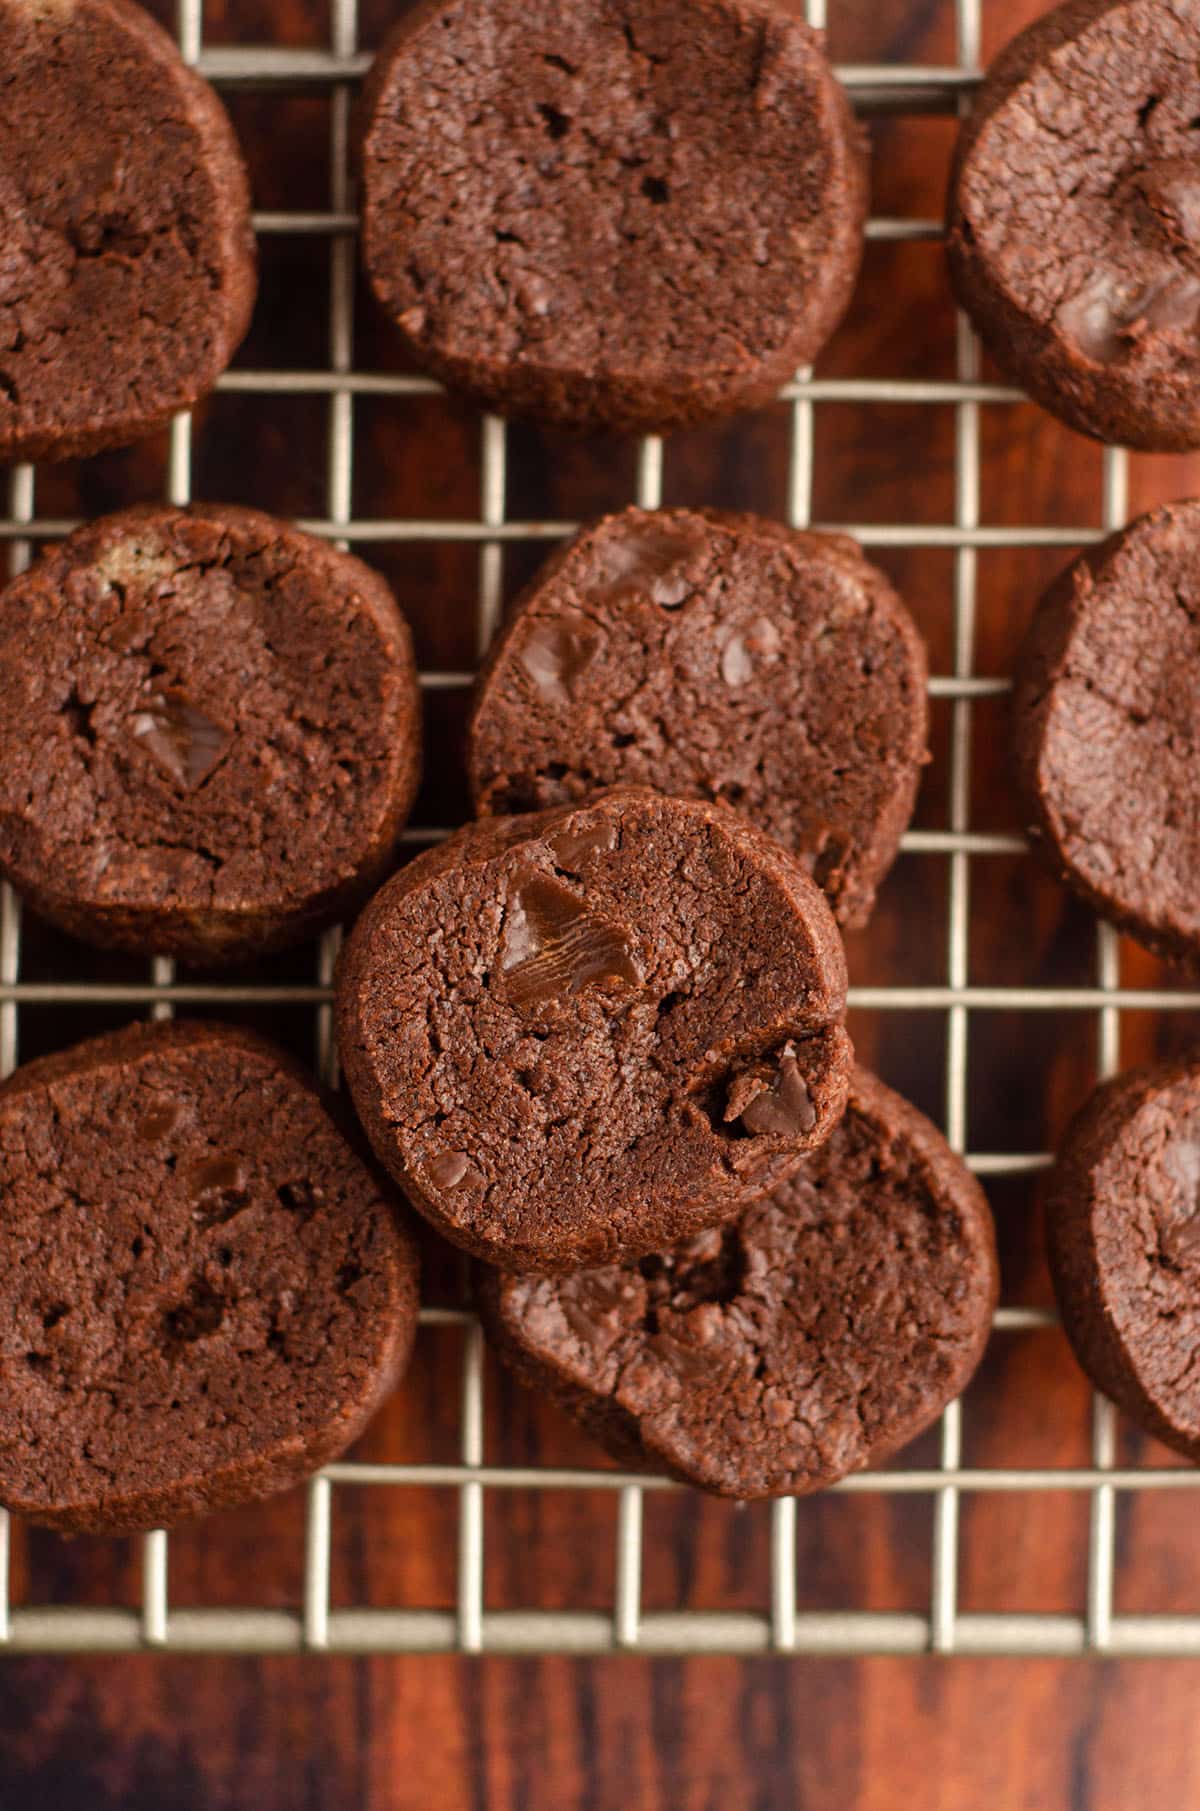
(1106, 319)
(132, 629)
(553, 947)
(453, 1169)
(651, 561)
(158, 1123)
(186, 744)
(571, 848)
(772, 1102)
(215, 1174)
(218, 1185)
(199, 1314)
(600, 1297)
(556, 654)
(745, 651)
(1168, 190)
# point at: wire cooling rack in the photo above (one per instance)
(780, 1626)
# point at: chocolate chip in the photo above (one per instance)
(571, 848)
(649, 559)
(736, 664)
(553, 947)
(1106, 317)
(199, 1314)
(772, 1103)
(219, 1187)
(158, 1123)
(759, 639)
(554, 654)
(1168, 194)
(217, 1173)
(597, 1301)
(453, 1169)
(178, 736)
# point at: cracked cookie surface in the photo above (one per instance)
(207, 1294)
(1074, 217)
(209, 732)
(1106, 706)
(1123, 1223)
(721, 657)
(127, 265)
(594, 1030)
(821, 1330)
(624, 215)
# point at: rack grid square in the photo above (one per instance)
(779, 1625)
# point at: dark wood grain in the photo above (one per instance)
(549, 1734)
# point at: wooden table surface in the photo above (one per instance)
(543, 1734)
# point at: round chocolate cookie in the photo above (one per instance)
(625, 217)
(594, 1031)
(817, 1333)
(126, 254)
(1107, 703)
(1074, 218)
(718, 657)
(1123, 1221)
(206, 1294)
(209, 732)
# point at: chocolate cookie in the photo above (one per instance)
(1107, 703)
(126, 254)
(718, 657)
(1124, 1242)
(206, 1294)
(1074, 218)
(209, 732)
(813, 1336)
(594, 1031)
(624, 217)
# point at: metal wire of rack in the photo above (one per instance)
(780, 1627)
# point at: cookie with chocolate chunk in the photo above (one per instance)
(1123, 1221)
(594, 1031)
(1106, 705)
(209, 732)
(612, 217)
(127, 265)
(823, 1328)
(720, 657)
(1074, 218)
(206, 1292)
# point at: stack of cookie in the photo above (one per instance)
(597, 1037)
